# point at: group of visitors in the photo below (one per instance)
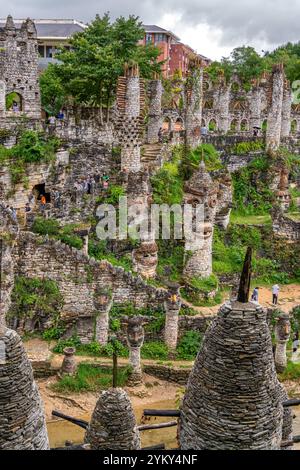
(275, 294)
(89, 184)
(52, 119)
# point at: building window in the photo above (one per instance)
(148, 38)
(42, 51)
(160, 38)
(50, 51)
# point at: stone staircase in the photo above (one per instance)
(151, 155)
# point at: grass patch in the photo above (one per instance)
(90, 378)
(292, 372)
(241, 219)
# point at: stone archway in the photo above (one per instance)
(212, 126)
(178, 126)
(244, 125)
(14, 102)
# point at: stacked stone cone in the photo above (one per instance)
(113, 424)
(22, 421)
(233, 399)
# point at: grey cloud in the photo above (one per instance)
(271, 21)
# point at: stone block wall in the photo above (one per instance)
(78, 278)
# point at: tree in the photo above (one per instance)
(53, 95)
(89, 70)
(243, 61)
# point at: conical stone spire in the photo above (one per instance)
(233, 399)
(10, 25)
(22, 421)
(113, 424)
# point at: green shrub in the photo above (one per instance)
(90, 378)
(45, 226)
(189, 345)
(53, 333)
(32, 296)
(154, 350)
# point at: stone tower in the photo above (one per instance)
(193, 103)
(139, 193)
(286, 110)
(200, 190)
(233, 399)
(275, 96)
(23, 425)
(113, 425)
(19, 69)
(155, 90)
(221, 104)
(131, 107)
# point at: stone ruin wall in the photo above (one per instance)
(78, 278)
(71, 165)
(284, 227)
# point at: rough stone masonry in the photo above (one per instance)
(233, 399)
(113, 424)
(22, 420)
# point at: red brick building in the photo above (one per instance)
(180, 55)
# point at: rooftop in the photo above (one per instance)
(64, 28)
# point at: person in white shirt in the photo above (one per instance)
(275, 292)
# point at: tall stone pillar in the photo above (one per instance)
(139, 198)
(131, 105)
(135, 339)
(282, 334)
(286, 110)
(172, 307)
(255, 105)
(2, 98)
(103, 302)
(224, 203)
(193, 103)
(113, 424)
(200, 193)
(155, 111)
(233, 398)
(221, 104)
(23, 424)
(275, 112)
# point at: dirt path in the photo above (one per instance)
(289, 297)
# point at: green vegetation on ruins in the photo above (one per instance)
(32, 148)
(36, 297)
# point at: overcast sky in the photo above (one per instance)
(212, 27)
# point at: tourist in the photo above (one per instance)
(56, 199)
(52, 120)
(27, 207)
(14, 214)
(296, 341)
(15, 107)
(275, 292)
(254, 296)
(203, 130)
(43, 203)
(60, 115)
